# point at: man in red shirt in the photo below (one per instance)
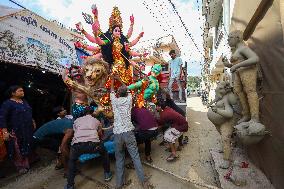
(179, 125)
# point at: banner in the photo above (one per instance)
(30, 40)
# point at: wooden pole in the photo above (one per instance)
(257, 17)
(197, 183)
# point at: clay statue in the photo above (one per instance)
(222, 116)
(244, 76)
(244, 71)
(94, 76)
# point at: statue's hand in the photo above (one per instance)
(96, 26)
(234, 68)
(145, 54)
(78, 44)
(69, 82)
(141, 34)
(132, 20)
(127, 47)
(214, 109)
(226, 62)
(95, 10)
(79, 26)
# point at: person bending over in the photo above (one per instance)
(178, 126)
(86, 140)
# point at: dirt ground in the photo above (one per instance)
(193, 164)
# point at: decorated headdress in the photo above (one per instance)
(157, 68)
(115, 19)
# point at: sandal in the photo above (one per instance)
(172, 157)
(185, 140)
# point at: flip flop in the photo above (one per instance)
(185, 140)
(172, 158)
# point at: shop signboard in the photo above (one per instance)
(30, 40)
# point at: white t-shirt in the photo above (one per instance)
(67, 117)
(122, 113)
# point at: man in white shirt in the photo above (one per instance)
(175, 65)
(124, 135)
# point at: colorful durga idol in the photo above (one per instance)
(147, 87)
(114, 47)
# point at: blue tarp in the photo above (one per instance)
(81, 52)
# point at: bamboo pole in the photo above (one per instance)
(180, 177)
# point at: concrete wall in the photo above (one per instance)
(267, 41)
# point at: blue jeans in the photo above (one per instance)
(85, 148)
(127, 138)
(179, 87)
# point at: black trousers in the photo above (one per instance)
(83, 148)
(146, 137)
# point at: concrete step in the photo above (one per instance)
(245, 178)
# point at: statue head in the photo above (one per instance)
(222, 89)
(95, 71)
(235, 37)
(116, 31)
(115, 19)
(156, 69)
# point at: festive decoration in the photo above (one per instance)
(147, 87)
(115, 19)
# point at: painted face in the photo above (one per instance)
(93, 73)
(116, 32)
(19, 93)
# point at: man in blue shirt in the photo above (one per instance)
(175, 65)
(48, 134)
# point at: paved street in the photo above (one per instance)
(193, 163)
